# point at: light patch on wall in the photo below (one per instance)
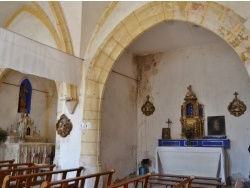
(146, 67)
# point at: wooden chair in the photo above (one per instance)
(79, 182)
(24, 170)
(34, 179)
(7, 161)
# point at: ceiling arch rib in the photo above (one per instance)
(56, 9)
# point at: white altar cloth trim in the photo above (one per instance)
(197, 161)
(30, 57)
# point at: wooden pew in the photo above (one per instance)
(15, 165)
(7, 161)
(172, 180)
(186, 183)
(132, 181)
(79, 182)
(34, 179)
(23, 170)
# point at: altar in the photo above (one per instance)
(196, 161)
(25, 144)
(40, 153)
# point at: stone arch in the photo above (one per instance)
(211, 15)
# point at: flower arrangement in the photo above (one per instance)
(3, 135)
(188, 132)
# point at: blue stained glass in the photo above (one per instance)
(25, 93)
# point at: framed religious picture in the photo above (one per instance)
(166, 133)
(216, 125)
(63, 126)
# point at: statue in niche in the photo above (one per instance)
(23, 95)
(22, 123)
(192, 114)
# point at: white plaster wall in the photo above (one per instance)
(73, 22)
(215, 73)
(92, 13)
(70, 146)
(118, 125)
(68, 149)
(9, 94)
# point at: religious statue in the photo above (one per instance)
(23, 98)
(22, 123)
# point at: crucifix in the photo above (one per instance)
(166, 131)
(169, 122)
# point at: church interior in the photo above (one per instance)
(113, 84)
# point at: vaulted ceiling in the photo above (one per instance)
(164, 37)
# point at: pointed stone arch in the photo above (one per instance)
(211, 15)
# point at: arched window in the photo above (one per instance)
(25, 93)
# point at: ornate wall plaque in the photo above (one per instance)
(236, 107)
(63, 126)
(192, 114)
(148, 108)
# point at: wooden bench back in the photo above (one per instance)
(133, 181)
(15, 165)
(7, 161)
(172, 180)
(184, 176)
(185, 183)
(79, 182)
(25, 170)
(28, 180)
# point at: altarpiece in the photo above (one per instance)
(192, 114)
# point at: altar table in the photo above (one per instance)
(40, 153)
(196, 161)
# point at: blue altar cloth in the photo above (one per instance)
(195, 143)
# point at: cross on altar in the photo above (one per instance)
(236, 94)
(169, 122)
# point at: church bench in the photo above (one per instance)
(36, 179)
(7, 161)
(172, 180)
(79, 182)
(186, 182)
(133, 182)
(185, 176)
(24, 170)
(175, 183)
(15, 165)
